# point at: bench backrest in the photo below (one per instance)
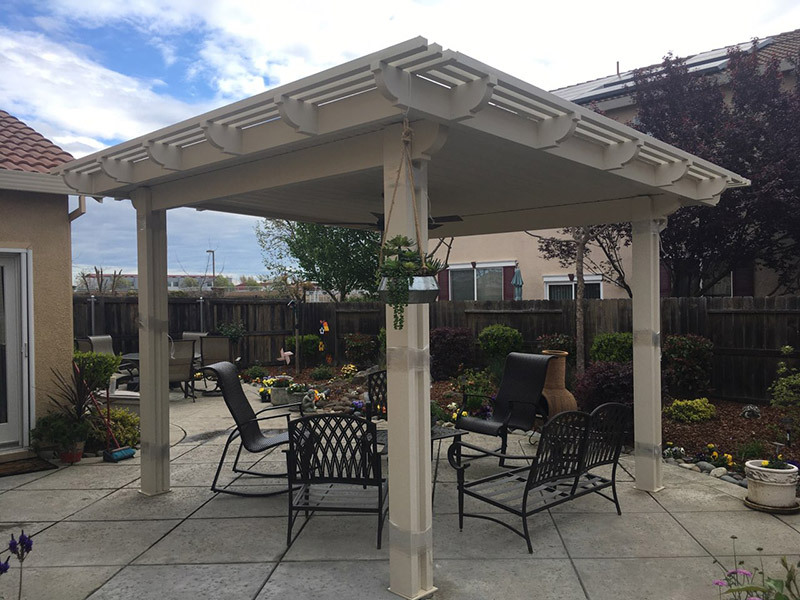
(607, 431)
(561, 449)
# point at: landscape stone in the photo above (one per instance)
(706, 467)
(729, 479)
(690, 466)
(718, 472)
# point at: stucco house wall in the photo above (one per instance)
(40, 223)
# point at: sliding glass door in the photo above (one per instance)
(13, 362)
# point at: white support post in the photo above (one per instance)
(151, 237)
(647, 353)
(408, 387)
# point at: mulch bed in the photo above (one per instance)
(729, 431)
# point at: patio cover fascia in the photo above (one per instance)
(499, 152)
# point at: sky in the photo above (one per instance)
(88, 75)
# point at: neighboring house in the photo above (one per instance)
(35, 279)
(130, 282)
(481, 266)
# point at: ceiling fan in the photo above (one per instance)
(378, 224)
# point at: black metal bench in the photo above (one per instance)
(572, 444)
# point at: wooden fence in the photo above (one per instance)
(747, 332)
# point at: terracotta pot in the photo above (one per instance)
(771, 490)
(555, 392)
(72, 455)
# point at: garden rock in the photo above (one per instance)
(671, 461)
(690, 466)
(729, 479)
(718, 472)
(704, 466)
(360, 378)
(751, 411)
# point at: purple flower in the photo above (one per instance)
(13, 546)
(26, 542)
(4, 566)
(740, 572)
(720, 582)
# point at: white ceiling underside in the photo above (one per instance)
(503, 154)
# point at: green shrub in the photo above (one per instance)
(382, 347)
(96, 369)
(309, 349)
(359, 348)
(124, 424)
(751, 450)
(785, 390)
(496, 341)
(686, 362)
(690, 411)
(234, 331)
(255, 372)
(605, 382)
(557, 341)
(612, 347)
(451, 350)
(476, 383)
(59, 430)
(438, 413)
(321, 373)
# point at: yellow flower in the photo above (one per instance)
(715, 455)
(262, 390)
(780, 456)
(463, 413)
(455, 416)
(710, 446)
(764, 463)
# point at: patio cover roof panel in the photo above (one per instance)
(507, 145)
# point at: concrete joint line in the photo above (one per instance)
(410, 543)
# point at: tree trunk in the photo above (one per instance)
(580, 350)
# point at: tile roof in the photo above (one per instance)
(782, 46)
(23, 149)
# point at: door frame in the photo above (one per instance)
(28, 408)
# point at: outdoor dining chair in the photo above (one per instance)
(334, 465)
(518, 400)
(181, 365)
(101, 344)
(246, 429)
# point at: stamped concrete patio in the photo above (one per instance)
(96, 536)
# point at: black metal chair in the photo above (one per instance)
(523, 491)
(518, 401)
(247, 429)
(377, 405)
(334, 465)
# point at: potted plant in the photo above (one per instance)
(69, 425)
(279, 389)
(771, 485)
(408, 276)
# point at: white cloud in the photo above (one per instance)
(85, 105)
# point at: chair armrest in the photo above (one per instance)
(455, 460)
(279, 406)
(493, 452)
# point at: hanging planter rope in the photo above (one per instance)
(407, 272)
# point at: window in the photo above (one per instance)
(479, 282)
(723, 288)
(560, 287)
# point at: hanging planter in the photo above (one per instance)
(407, 277)
(407, 274)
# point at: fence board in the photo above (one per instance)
(747, 332)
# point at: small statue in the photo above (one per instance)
(308, 404)
(751, 411)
